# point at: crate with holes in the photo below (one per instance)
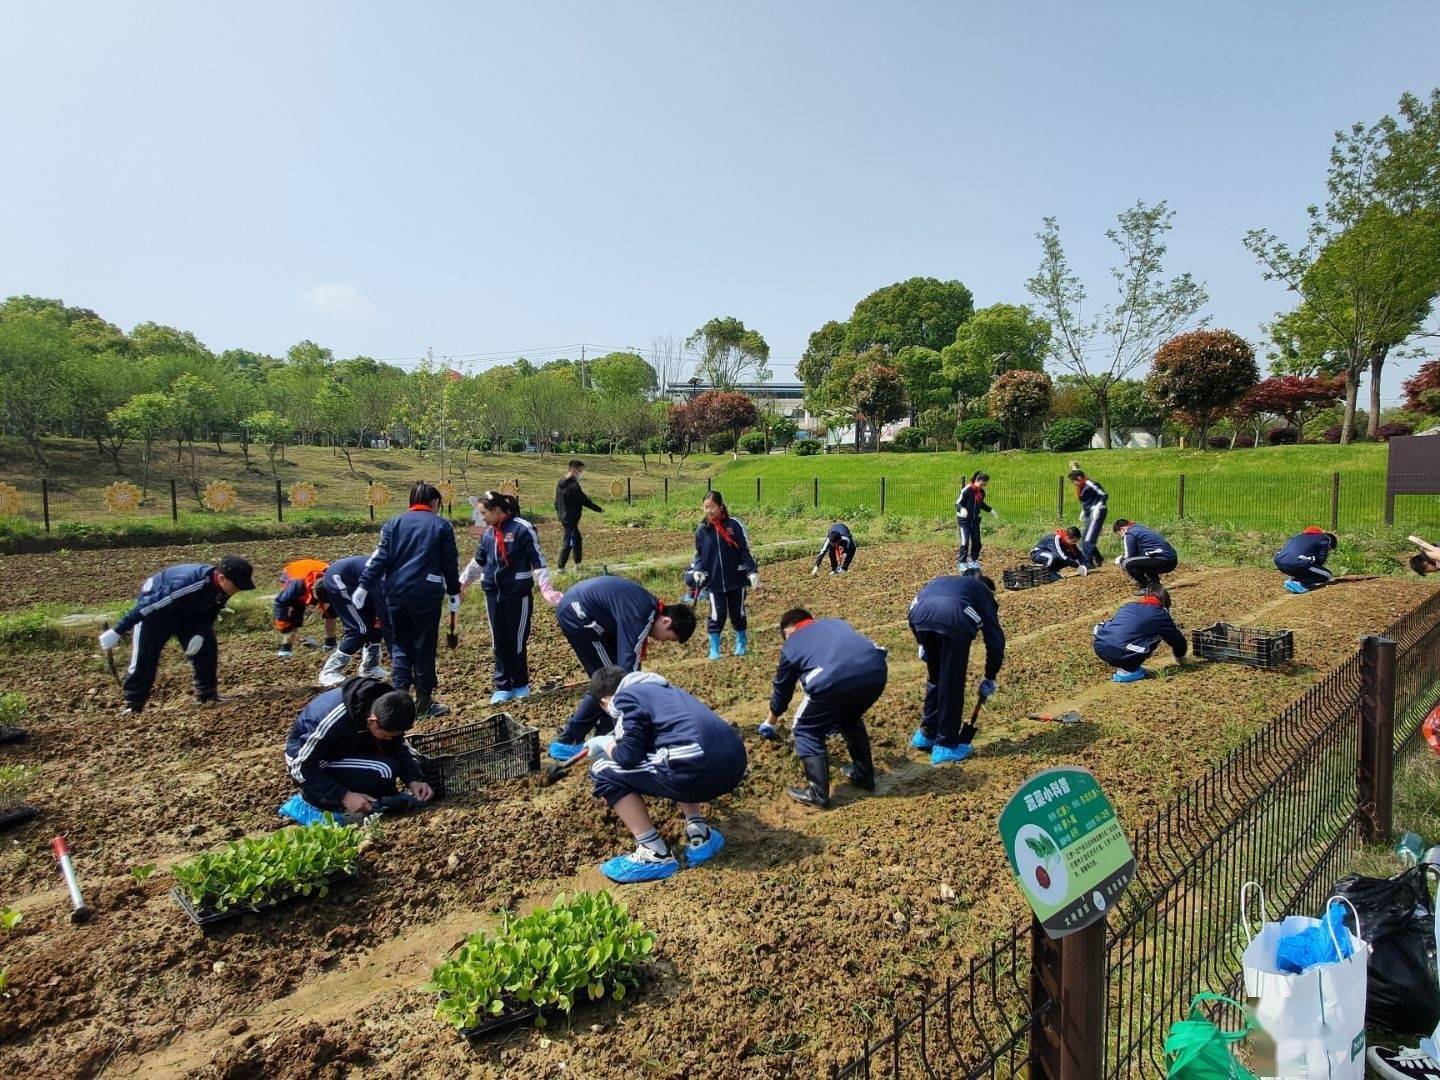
(1028, 576)
(463, 759)
(1247, 645)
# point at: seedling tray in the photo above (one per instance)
(207, 917)
(462, 760)
(520, 1014)
(15, 813)
(1244, 645)
(12, 734)
(1027, 577)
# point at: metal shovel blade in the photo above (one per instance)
(1070, 717)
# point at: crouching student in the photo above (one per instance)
(668, 745)
(841, 673)
(840, 546)
(1145, 554)
(1303, 559)
(296, 596)
(364, 623)
(1060, 549)
(347, 747)
(945, 616)
(1134, 633)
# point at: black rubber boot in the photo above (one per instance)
(861, 770)
(816, 791)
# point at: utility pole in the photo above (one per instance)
(582, 367)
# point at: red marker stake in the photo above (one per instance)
(81, 913)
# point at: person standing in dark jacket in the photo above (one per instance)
(419, 565)
(945, 616)
(840, 546)
(726, 571)
(1093, 507)
(967, 519)
(1144, 555)
(347, 747)
(1303, 558)
(1133, 634)
(180, 602)
(570, 501)
(841, 673)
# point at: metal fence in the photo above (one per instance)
(1288, 809)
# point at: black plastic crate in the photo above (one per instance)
(1244, 645)
(206, 917)
(1027, 577)
(462, 760)
(15, 813)
(12, 734)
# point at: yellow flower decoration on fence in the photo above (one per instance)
(379, 495)
(510, 487)
(617, 488)
(447, 491)
(9, 500)
(304, 495)
(220, 496)
(122, 497)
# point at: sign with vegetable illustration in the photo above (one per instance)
(1067, 849)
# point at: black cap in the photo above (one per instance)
(239, 571)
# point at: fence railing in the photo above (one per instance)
(1288, 809)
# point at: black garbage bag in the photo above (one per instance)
(1397, 918)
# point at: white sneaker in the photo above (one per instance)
(333, 673)
(1407, 1064)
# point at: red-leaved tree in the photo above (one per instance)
(721, 410)
(1018, 399)
(1203, 373)
(1422, 390)
(1295, 398)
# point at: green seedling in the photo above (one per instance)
(141, 874)
(15, 783)
(584, 944)
(12, 708)
(9, 919)
(292, 862)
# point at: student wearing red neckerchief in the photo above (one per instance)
(1133, 634)
(725, 569)
(1303, 559)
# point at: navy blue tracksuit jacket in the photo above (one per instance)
(366, 624)
(418, 563)
(606, 620)
(1055, 551)
(1093, 502)
(330, 750)
(840, 672)
(667, 744)
(1145, 554)
(839, 545)
(180, 602)
(728, 566)
(945, 616)
(1134, 633)
(508, 562)
(1304, 556)
(967, 518)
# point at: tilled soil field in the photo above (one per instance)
(770, 962)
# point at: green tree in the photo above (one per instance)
(1019, 400)
(923, 374)
(920, 311)
(36, 354)
(548, 403)
(1001, 338)
(100, 383)
(147, 417)
(272, 431)
(1202, 374)
(729, 352)
(294, 385)
(622, 376)
(1123, 336)
(824, 346)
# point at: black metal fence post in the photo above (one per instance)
(1060, 499)
(1375, 776)
(817, 493)
(882, 494)
(45, 501)
(667, 490)
(279, 503)
(372, 511)
(1067, 1003)
(174, 502)
(757, 491)
(1180, 498)
(708, 487)
(1335, 502)
(629, 500)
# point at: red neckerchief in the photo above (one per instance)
(977, 488)
(421, 506)
(1065, 542)
(1154, 601)
(724, 533)
(645, 644)
(1079, 486)
(500, 550)
(839, 549)
(801, 625)
(1314, 530)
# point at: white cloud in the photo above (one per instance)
(339, 301)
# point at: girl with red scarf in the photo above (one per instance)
(725, 569)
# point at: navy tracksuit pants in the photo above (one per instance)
(840, 711)
(415, 630)
(1146, 570)
(1307, 574)
(727, 605)
(969, 541)
(510, 635)
(358, 632)
(946, 664)
(588, 715)
(1091, 522)
(148, 640)
(367, 776)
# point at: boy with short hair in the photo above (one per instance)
(570, 502)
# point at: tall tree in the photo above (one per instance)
(824, 346)
(1123, 336)
(920, 311)
(1019, 400)
(1294, 398)
(877, 393)
(923, 374)
(36, 353)
(1202, 374)
(147, 417)
(728, 352)
(548, 402)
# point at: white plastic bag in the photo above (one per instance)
(1316, 1020)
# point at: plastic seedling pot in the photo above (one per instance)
(205, 918)
(15, 813)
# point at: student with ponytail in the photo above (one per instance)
(724, 568)
(967, 519)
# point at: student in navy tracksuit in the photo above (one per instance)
(365, 625)
(608, 620)
(1060, 548)
(180, 602)
(418, 563)
(508, 563)
(841, 673)
(840, 546)
(967, 520)
(722, 556)
(665, 744)
(1303, 558)
(347, 747)
(1144, 555)
(945, 616)
(1092, 515)
(296, 596)
(1134, 633)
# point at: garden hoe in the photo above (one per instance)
(1070, 717)
(110, 659)
(556, 772)
(80, 911)
(452, 639)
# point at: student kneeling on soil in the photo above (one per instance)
(347, 747)
(666, 744)
(608, 620)
(945, 616)
(1135, 632)
(1303, 559)
(1061, 548)
(296, 596)
(841, 674)
(180, 602)
(365, 624)
(840, 546)
(1144, 555)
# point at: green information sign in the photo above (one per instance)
(1066, 848)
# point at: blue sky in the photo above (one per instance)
(487, 178)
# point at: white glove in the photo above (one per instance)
(109, 639)
(552, 595)
(994, 515)
(1119, 560)
(359, 596)
(815, 572)
(699, 577)
(472, 572)
(194, 645)
(754, 579)
(453, 604)
(600, 746)
(1083, 569)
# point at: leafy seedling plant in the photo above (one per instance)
(12, 708)
(1045, 850)
(141, 874)
(15, 783)
(582, 944)
(9, 919)
(297, 861)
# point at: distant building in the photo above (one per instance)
(785, 398)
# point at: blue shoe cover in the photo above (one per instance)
(921, 741)
(742, 642)
(1129, 676)
(714, 647)
(696, 854)
(300, 811)
(500, 697)
(564, 751)
(944, 755)
(1295, 586)
(520, 692)
(624, 869)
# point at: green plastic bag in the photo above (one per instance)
(1198, 1050)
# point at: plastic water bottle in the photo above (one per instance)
(1409, 849)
